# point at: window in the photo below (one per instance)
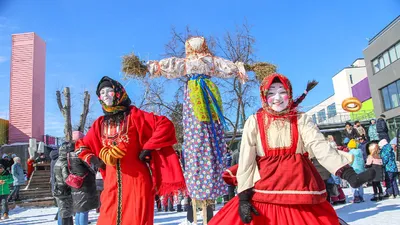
(375, 63)
(381, 63)
(321, 115)
(314, 118)
(386, 98)
(391, 95)
(398, 88)
(386, 58)
(392, 53)
(397, 47)
(331, 110)
(351, 79)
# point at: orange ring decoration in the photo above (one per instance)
(348, 101)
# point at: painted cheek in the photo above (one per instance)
(285, 97)
(111, 94)
(270, 100)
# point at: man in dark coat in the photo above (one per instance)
(350, 132)
(61, 191)
(382, 128)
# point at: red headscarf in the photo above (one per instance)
(266, 84)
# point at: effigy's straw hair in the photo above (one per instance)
(261, 69)
(133, 67)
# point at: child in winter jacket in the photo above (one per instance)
(341, 198)
(389, 163)
(6, 180)
(375, 162)
(359, 167)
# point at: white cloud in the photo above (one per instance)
(3, 59)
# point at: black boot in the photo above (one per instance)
(179, 208)
(56, 217)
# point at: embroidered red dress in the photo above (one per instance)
(129, 186)
(274, 163)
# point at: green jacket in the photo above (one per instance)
(5, 188)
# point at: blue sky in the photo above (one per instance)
(86, 39)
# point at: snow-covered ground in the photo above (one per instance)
(367, 213)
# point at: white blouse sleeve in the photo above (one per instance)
(224, 68)
(169, 68)
(247, 174)
(315, 141)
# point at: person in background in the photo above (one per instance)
(359, 167)
(372, 133)
(61, 191)
(382, 129)
(375, 162)
(332, 141)
(350, 132)
(19, 179)
(5, 181)
(29, 166)
(7, 162)
(389, 163)
(86, 197)
(393, 143)
(344, 146)
(362, 145)
(341, 197)
(360, 129)
(53, 157)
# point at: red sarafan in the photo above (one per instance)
(277, 183)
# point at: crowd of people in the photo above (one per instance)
(284, 172)
(12, 177)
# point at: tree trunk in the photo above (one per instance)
(85, 111)
(66, 112)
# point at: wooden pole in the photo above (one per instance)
(205, 212)
(194, 211)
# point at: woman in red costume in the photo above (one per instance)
(136, 147)
(277, 183)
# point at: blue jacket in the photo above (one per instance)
(358, 163)
(372, 133)
(388, 159)
(18, 174)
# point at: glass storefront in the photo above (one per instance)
(393, 125)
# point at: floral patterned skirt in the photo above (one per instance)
(203, 170)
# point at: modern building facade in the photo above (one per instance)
(382, 58)
(351, 81)
(27, 88)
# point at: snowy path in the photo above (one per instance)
(386, 212)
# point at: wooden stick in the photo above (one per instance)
(204, 212)
(194, 211)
